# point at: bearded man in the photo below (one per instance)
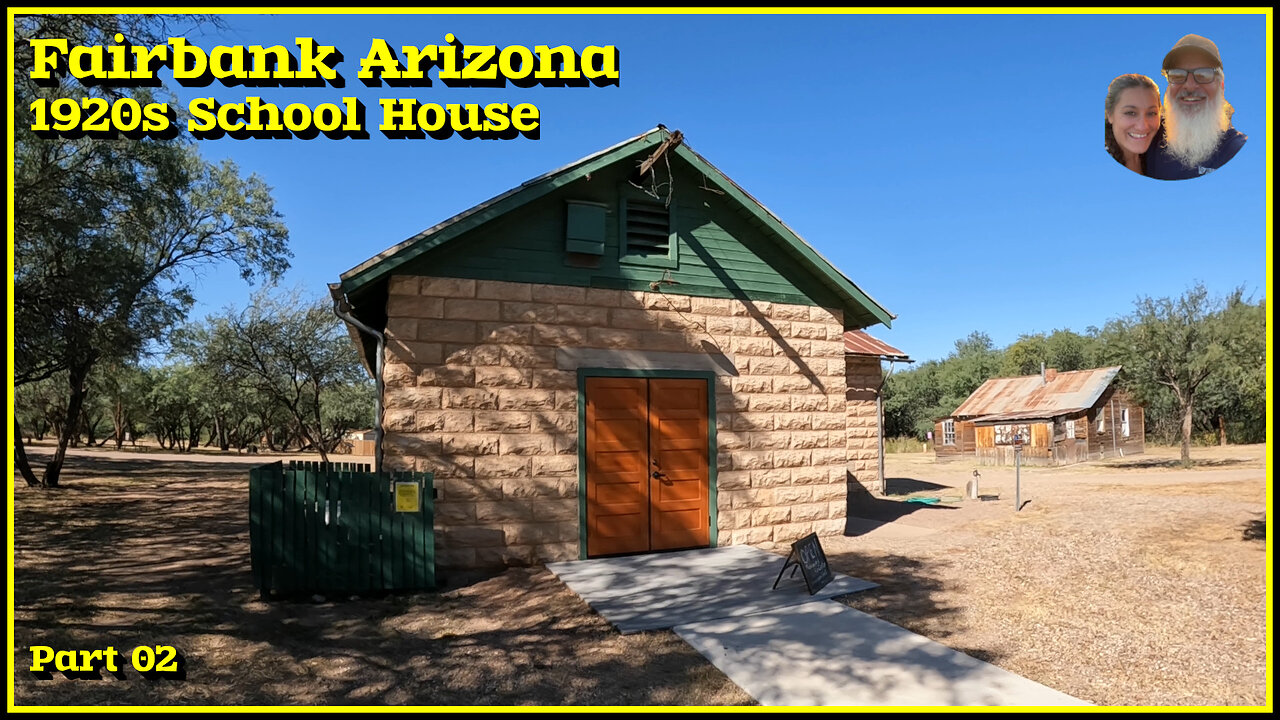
(1196, 137)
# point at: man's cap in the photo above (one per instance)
(1196, 42)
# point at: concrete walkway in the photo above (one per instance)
(824, 653)
(662, 590)
(785, 647)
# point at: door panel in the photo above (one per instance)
(617, 466)
(648, 484)
(1041, 435)
(986, 436)
(679, 482)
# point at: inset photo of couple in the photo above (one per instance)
(1189, 133)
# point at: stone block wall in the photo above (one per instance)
(863, 438)
(475, 392)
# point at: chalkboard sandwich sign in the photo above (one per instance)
(806, 554)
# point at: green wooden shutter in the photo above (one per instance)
(585, 228)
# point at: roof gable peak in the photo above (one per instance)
(665, 144)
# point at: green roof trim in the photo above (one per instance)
(837, 280)
(859, 306)
(383, 264)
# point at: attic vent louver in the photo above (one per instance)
(648, 228)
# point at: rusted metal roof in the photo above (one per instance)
(1024, 415)
(1031, 397)
(858, 342)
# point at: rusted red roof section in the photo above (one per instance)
(1033, 397)
(858, 342)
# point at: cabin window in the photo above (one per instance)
(1102, 422)
(647, 231)
(948, 432)
(1071, 429)
(1124, 422)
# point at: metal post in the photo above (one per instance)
(880, 426)
(880, 435)
(1017, 477)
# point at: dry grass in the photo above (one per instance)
(1120, 584)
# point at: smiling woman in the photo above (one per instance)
(1132, 119)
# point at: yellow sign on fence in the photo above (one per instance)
(407, 497)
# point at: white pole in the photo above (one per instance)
(880, 423)
(880, 434)
(1017, 476)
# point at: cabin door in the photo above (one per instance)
(648, 480)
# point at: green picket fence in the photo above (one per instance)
(339, 528)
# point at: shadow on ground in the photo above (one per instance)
(862, 504)
(152, 552)
(156, 552)
(1149, 463)
(910, 595)
(906, 486)
(1255, 529)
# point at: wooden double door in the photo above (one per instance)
(648, 483)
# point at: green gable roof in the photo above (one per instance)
(859, 308)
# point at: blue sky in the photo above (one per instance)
(951, 165)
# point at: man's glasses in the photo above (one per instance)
(1204, 76)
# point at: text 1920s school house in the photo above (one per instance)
(1061, 418)
(628, 354)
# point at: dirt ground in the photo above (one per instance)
(1123, 582)
(146, 549)
(1129, 582)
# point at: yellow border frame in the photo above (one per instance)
(9, 357)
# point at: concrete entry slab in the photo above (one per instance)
(657, 591)
(829, 654)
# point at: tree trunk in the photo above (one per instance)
(53, 469)
(1222, 431)
(1186, 435)
(20, 457)
(319, 439)
(117, 422)
(91, 437)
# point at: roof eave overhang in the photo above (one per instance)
(1036, 417)
(882, 356)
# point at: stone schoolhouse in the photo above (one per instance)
(627, 354)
